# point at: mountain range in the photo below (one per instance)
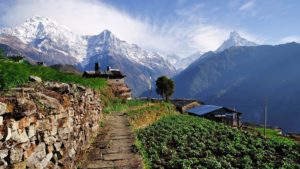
(239, 74)
(247, 78)
(42, 39)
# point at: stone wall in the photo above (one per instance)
(120, 90)
(47, 125)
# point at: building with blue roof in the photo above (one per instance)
(217, 113)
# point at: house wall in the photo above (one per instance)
(235, 122)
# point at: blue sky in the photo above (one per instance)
(167, 26)
(269, 19)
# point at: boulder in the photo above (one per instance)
(19, 137)
(30, 150)
(31, 131)
(46, 160)
(2, 108)
(3, 153)
(61, 88)
(39, 154)
(72, 153)
(35, 79)
(16, 155)
(48, 102)
(49, 140)
(25, 106)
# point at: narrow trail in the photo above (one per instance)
(114, 146)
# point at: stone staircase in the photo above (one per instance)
(114, 146)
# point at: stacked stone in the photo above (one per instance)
(121, 90)
(48, 125)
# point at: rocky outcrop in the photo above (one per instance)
(48, 125)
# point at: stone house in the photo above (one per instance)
(115, 79)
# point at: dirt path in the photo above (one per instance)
(113, 147)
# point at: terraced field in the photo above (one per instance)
(181, 141)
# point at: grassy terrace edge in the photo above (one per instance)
(14, 74)
(182, 141)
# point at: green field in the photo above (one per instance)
(274, 134)
(182, 141)
(14, 74)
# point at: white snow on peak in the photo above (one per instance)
(235, 40)
(182, 63)
(46, 35)
(49, 37)
(108, 41)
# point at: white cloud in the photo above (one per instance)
(247, 6)
(290, 39)
(88, 17)
(183, 37)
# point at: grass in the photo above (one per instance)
(14, 74)
(150, 112)
(275, 135)
(115, 105)
(183, 141)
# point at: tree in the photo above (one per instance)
(165, 87)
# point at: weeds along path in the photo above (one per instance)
(140, 107)
(114, 146)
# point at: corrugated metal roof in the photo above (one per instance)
(204, 109)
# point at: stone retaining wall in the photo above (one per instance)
(47, 125)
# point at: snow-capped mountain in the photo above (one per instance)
(108, 41)
(185, 62)
(49, 37)
(173, 59)
(181, 63)
(42, 39)
(235, 40)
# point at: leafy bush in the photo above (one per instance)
(14, 74)
(181, 141)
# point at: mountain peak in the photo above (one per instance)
(235, 39)
(106, 31)
(234, 34)
(107, 35)
(38, 18)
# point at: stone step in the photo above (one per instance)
(101, 144)
(113, 134)
(117, 156)
(99, 164)
(117, 150)
(114, 146)
(130, 136)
